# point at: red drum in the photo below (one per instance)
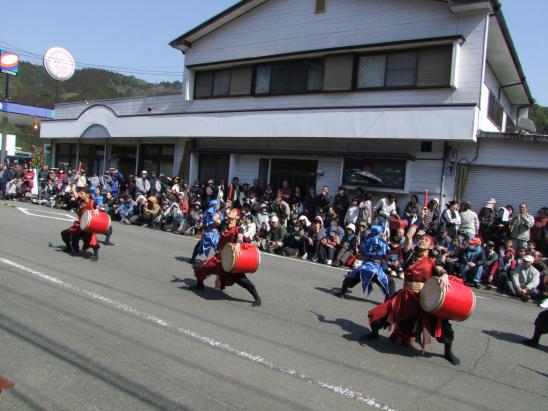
(457, 303)
(95, 223)
(246, 261)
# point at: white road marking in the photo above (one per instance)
(255, 358)
(66, 217)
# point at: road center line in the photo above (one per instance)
(257, 359)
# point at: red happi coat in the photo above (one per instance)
(75, 229)
(404, 310)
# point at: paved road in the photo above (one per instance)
(125, 333)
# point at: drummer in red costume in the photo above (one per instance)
(72, 235)
(230, 233)
(404, 310)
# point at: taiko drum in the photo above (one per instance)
(456, 303)
(95, 223)
(240, 258)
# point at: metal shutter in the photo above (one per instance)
(434, 66)
(240, 81)
(338, 73)
(507, 186)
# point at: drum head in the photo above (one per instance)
(432, 295)
(228, 258)
(85, 220)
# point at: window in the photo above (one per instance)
(320, 6)
(289, 77)
(494, 111)
(427, 67)
(223, 83)
(391, 172)
(371, 71)
(401, 69)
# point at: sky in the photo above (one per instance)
(132, 36)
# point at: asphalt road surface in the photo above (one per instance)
(125, 333)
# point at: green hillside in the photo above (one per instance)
(33, 86)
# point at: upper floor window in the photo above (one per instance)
(429, 67)
(289, 77)
(222, 83)
(495, 112)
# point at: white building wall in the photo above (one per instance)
(505, 153)
(285, 26)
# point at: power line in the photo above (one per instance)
(131, 70)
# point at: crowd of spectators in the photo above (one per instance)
(497, 248)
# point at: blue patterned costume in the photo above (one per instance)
(374, 249)
(211, 235)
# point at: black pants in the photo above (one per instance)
(243, 282)
(72, 239)
(351, 282)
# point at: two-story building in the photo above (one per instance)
(425, 94)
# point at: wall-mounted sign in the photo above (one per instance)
(59, 63)
(9, 63)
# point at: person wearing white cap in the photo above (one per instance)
(524, 280)
(348, 246)
(142, 185)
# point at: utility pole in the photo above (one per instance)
(5, 124)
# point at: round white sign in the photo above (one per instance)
(59, 63)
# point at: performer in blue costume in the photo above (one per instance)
(374, 250)
(210, 237)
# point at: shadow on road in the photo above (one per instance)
(334, 290)
(511, 337)
(207, 293)
(382, 344)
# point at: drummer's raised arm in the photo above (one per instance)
(408, 245)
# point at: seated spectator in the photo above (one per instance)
(443, 241)
(334, 227)
(471, 262)
(263, 217)
(249, 228)
(531, 247)
(275, 237)
(137, 217)
(293, 245)
(506, 266)
(312, 240)
(97, 197)
(348, 247)
(329, 247)
(268, 195)
(123, 209)
(362, 231)
(542, 268)
(395, 254)
(152, 212)
(491, 264)
(524, 280)
(192, 222)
